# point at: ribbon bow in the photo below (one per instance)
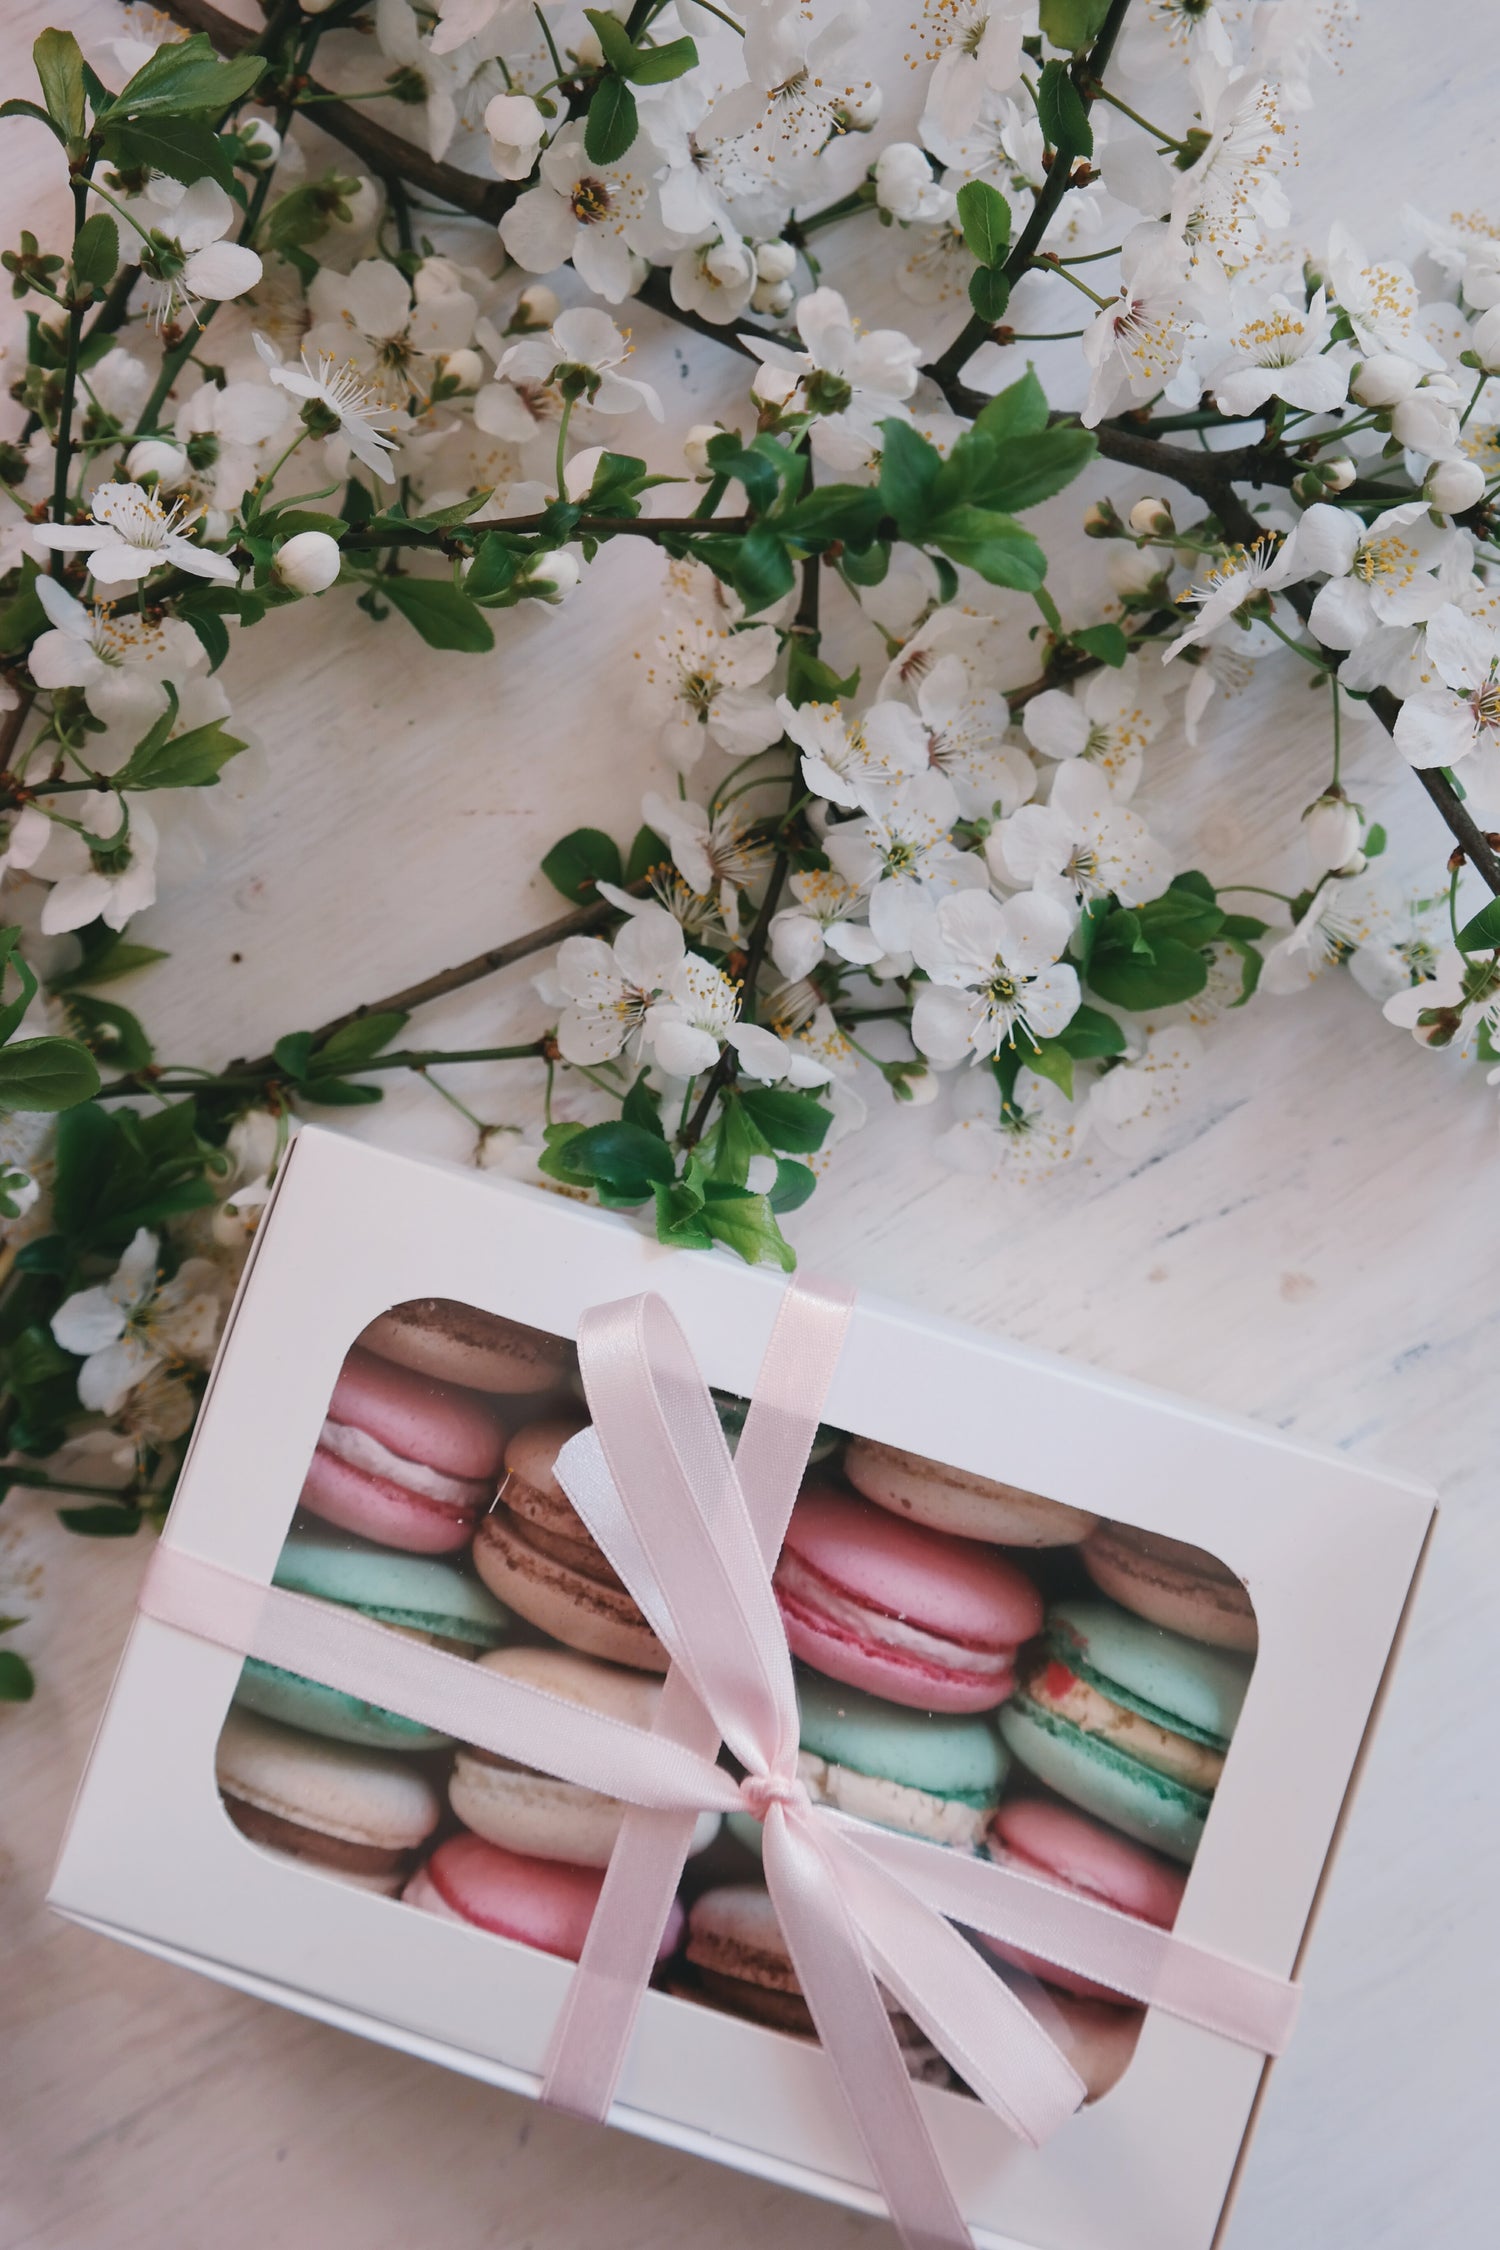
(693, 1534)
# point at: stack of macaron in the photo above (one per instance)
(976, 1664)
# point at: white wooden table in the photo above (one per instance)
(1315, 1249)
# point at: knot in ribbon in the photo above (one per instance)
(693, 1534)
(760, 1791)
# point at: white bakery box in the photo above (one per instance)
(1328, 1547)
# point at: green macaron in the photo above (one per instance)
(928, 1775)
(1127, 1720)
(433, 1600)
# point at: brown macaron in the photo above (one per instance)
(958, 1501)
(535, 1554)
(1169, 1583)
(458, 1344)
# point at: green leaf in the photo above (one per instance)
(1171, 972)
(111, 1521)
(624, 1159)
(1018, 411)
(656, 66)
(18, 108)
(1238, 929)
(110, 1032)
(292, 1054)
(338, 1093)
(96, 253)
(639, 1108)
(1061, 113)
(185, 148)
(810, 680)
(752, 466)
(1481, 933)
(612, 122)
(679, 1212)
(212, 632)
(847, 512)
(1013, 473)
(22, 616)
(494, 567)
(763, 570)
(646, 851)
(16, 1682)
(989, 293)
(736, 1139)
(1252, 961)
(186, 76)
(867, 567)
(1375, 841)
(984, 215)
(615, 41)
(794, 1184)
(359, 1042)
(1074, 24)
(46, 1074)
(59, 65)
(993, 546)
(107, 955)
(443, 616)
(188, 761)
(581, 860)
(1091, 1032)
(908, 471)
(1106, 642)
(1051, 1059)
(794, 1122)
(746, 1224)
(11, 1014)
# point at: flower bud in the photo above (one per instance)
(695, 447)
(1484, 341)
(1338, 474)
(1152, 519)
(1384, 380)
(154, 457)
(911, 1083)
(308, 563)
(1102, 521)
(587, 50)
(775, 297)
(1427, 422)
(362, 204)
(773, 386)
(261, 138)
(553, 577)
(461, 371)
(515, 126)
(859, 111)
(315, 7)
(536, 307)
(1331, 829)
(730, 263)
(1454, 485)
(775, 261)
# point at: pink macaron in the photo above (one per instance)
(544, 1903)
(402, 1459)
(911, 1614)
(1038, 1837)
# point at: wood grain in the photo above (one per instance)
(1313, 1248)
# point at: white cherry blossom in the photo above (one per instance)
(337, 391)
(1335, 921)
(609, 986)
(713, 852)
(1390, 572)
(904, 858)
(980, 56)
(1381, 301)
(395, 333)
(851, 379)
(823, 919)
(1019, 1144)
(849, 760)
(128, 1327)
(594, 214)
(1264, 567)
(1277, 349)
(960, 726)
(1225, 202)
(583, 352)
(701, 680)
(121, 663)
(1137, 344)
(687, 1027)
(997, 980)
(1110, 720)
(1083, 844)
(182, 255)
(1458, 714)
(131, 535)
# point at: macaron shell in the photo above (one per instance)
(295, 1702)
(452, 1430)
(956, 1501)
(458, 1344)
(360, 1796)
(374, 1508)
(399, 1587)
(1129, 1796)
(1047, 1840)
(899, 1680)
(1098, 2041)
(1169, 1583)
(959, 1590)
(386, 1885)
(945, 1758)
(574, 1608)
(734, 1931)
(1203, 1688)
(544, 1903)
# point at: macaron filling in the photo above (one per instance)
(1159, 1742)
(957, 1820)
(817, 1602)
(315, 1845)
(360, 1451)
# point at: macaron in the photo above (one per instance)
(954, 1500)
(939, 1778)
(530, 1812)
(1041, 1838)
(404, 1459)
(358, 1814)
(543, 1903)
(1171, 1583)
(741, 1964)
(909, 1614)
(533, 1551)
(1098, 2040)
(431, 1601)
(1127, 1721)
(457, 1344)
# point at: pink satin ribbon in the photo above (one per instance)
(693, 1533)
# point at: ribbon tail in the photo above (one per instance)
(996, 2045)
(854, 2026)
